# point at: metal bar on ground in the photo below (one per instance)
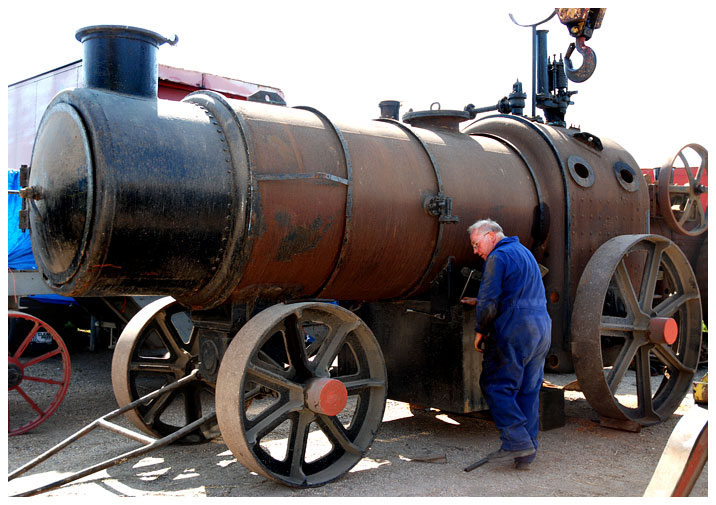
(103, 422)
(121, 458)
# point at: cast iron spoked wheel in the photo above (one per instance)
(636, 317)
(36, 384)
(681, 205)
(301, 393)
(157, 347)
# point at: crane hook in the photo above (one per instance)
(589, 61)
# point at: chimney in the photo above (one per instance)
(121, 59)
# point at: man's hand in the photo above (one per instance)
(478, 340)
(469, 301)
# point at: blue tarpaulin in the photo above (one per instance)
(19, 249)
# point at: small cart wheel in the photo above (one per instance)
(36, 384)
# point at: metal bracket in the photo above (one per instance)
(441, 206)
(269, 97)
(24, 213)
(591, 140)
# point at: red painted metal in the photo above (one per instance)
(326, 396)
(663, 330)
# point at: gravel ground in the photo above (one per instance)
(579, 459)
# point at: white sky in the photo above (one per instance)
(652, 90)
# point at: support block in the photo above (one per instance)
(551, 408)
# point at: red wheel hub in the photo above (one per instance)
(663, 330)
(326, 396)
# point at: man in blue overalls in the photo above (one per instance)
(511, 306)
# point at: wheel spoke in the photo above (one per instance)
(164, 368)
(297, 442)
(332, 344)
(263, 356)
(666, 355)
(43, 357)
(687, 169)
(295, 345)
(269, 419)
(169, 335)
(156, 408)
(643, 381)
(355, 385)
(700, 216)
(334, 430)
(671, 304)
(616, 326)
(270, 379)
(621, 364)
(192, 403)
(626, 289)
(703, 167)
(29, 400)
(43, 380)
(686, 213)
(651, 275)
(27, 340)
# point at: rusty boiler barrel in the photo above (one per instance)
(212, 199)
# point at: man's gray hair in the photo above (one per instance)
(485, 225)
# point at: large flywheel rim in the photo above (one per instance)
(245, 366)
(600, 379)
(129, 367)
(668, 190)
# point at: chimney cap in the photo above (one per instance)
(125, 32)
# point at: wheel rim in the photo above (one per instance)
(265, 385)
(681, 205)
(157, 347)
(30, 384)
(639, 279)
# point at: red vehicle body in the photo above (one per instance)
(28, 99)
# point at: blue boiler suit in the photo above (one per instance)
(511, 302)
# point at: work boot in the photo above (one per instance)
(523, 463)
(503, 455)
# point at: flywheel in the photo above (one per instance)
(301, 393)
(636, 329)
(682, 191)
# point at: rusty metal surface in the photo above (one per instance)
(635, 279)
(588, 203)
(263, 392)
(280, 203)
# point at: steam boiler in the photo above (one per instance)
(311, 268)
